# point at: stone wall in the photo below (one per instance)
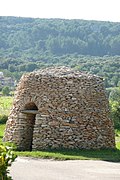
(60, 108)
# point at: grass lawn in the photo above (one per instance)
(108, 155)
(5, 104)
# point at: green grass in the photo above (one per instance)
(106, 155)
(5, 104)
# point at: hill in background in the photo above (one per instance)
(27, 44)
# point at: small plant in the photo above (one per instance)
(117, 132)
(6, 158)
(3, 118)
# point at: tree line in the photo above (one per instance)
(59, 36)
(27, 44)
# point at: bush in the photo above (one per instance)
(115, 113)
(5, 90)
(115, 94)
(3, 119)
(6, 158)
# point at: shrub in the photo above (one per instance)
(3, 119)
(115, 94)
(115, 113)
(6, 158)
(5, 90)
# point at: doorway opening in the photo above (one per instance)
(30, 110)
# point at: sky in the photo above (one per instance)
(104, 10)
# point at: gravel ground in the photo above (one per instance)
(43, 169)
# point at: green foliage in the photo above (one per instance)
(115, 95)
(6, 158)
(3, 118)
(31, 67)
(115, 113)
(115, 106)
(5, 91)
(59, 36)
(27, 44)
(118, 145)
(117, 133)
(2, 129)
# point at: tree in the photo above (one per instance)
(115, 95)
(115, 106)
(31, 67)
(115, 113)
(5, 90)
(115, 45)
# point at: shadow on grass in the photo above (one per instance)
(106, 155)
(63, 154)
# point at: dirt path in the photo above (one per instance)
(40, 169)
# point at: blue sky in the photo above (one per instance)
(105, 10)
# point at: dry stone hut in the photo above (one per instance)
(60, 108)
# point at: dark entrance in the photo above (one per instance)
(30, 114)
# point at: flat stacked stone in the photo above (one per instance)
(60, 108)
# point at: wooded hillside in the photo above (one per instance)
(27, 44)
